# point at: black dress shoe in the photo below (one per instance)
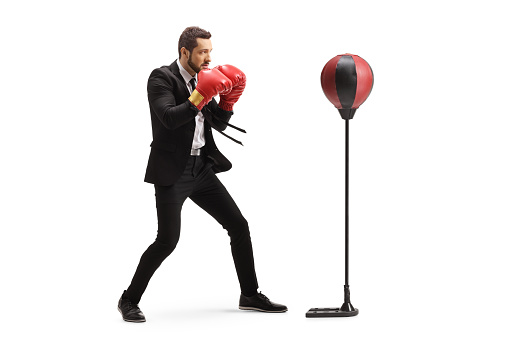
(130, 312)
(260, 302)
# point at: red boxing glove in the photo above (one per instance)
(211, 82)
(238, 79)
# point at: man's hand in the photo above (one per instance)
(211, 82)
(238, 79)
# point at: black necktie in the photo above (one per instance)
(193, 84)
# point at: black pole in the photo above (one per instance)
(347, 307)
(347, 180)
(347, 310)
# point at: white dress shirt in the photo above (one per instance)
(199, 137)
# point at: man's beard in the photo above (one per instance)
(195, 68)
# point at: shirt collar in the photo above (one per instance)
(187, 77)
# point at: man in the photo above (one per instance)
(183, 162)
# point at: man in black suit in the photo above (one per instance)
(183, 163)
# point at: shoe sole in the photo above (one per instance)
(131, 321)
(259, 309)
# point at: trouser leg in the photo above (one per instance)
(169, 201)
(155, 254)
(213, 197)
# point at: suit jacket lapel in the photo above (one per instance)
(174, 68)
(182, 90)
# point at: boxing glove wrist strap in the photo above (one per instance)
(196, 98)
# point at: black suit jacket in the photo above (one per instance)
(173, 125)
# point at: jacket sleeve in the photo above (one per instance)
(220, 117)
(161, 98)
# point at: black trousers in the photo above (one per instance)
(200, 184)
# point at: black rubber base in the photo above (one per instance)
(330, 312)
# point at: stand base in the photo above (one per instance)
(330, 312)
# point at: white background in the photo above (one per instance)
(429, 184)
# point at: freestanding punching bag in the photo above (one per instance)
(347, 81)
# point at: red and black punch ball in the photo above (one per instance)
(347, 81)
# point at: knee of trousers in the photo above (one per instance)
(237, 228)
(164, 249)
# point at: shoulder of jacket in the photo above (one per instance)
(162, 71)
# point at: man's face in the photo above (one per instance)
(200, 57)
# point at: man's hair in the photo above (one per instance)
(189, 36)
